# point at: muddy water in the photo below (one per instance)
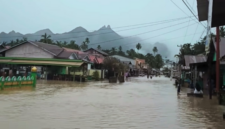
(138, 104)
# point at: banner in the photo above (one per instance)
(209, 23)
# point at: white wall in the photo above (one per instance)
(27, 50)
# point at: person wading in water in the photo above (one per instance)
(178, 88)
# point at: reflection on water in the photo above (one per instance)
(138, 104)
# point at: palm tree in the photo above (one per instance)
(64, 43)
(45, 38)
(120, 48)
(84, 45)
(113, 50)
(138, 46)
(155, 50)
(24, 39)
(59, 43)
(99, 47)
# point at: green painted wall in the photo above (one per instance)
(223, 77)
(62, 70)
(214, 57)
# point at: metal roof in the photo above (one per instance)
(50, 48)
(189, 59)
(121, 58)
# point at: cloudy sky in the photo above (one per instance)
(29, 16)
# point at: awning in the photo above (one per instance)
(218, 12)
(40, 61)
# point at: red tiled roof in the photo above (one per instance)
(92, 58)
(100, 60)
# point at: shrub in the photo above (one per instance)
(96, 75)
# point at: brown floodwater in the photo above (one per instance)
(137, 104)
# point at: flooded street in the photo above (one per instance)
(138, 104)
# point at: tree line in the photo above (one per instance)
(154, 60)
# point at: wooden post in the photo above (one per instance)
(74, 69)
(217, 59)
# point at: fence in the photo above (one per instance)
(11, 82)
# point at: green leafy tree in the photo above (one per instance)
(222, 31)
(99, 47)
(113, 50)
(73, 45)
(149, 58)
(158, 61)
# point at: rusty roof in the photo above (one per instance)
(189, 59)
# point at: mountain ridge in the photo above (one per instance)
(105, 36)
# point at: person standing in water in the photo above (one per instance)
(178, 88)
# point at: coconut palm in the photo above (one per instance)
(155, 50)
(138, 46)
(120, 48)
(46, 38)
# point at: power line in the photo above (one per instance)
(113, 28)
(116, 31)
(189, 9)
(195, 32)
(136, 34)
(190, 5)
(160, 34)
(186, 30)
(186, 13)
(179, 37)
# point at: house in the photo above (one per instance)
(67, 53)
(2, 49)
(94, 51)
(190, 71)
(94, 61)
(38, 50)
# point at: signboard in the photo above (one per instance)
(209, 23)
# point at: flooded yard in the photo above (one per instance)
(138, 104)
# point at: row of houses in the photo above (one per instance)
(196, 68)
(92, 57)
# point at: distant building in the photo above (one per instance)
(96, 52)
